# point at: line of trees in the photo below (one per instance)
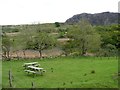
(6, 46)
(83, 38)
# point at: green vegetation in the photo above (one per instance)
(65, 72)
(6, 46)
(84, 38)
(57, 24)
(77, 41)
(43, 41)
(10, 29)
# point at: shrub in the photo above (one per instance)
(93, 71)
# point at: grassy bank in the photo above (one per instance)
(69, 72)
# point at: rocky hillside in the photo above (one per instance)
(104, 18)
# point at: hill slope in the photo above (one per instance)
(105, 18)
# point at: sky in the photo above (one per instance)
(15, 12)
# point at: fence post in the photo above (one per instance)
(32, 85)
(10, 79)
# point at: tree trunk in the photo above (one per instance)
(83, 48)
(8, 55)
(24, 54)
(17, 55)
(4, 54)
(40, 53)
(32, 85)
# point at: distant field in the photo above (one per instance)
(68, 72)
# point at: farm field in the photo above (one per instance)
(68, 72)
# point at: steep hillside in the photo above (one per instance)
(105, 18)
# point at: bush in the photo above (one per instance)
(93, 71)
(57, 24)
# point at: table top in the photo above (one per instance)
(30, 63)
(36, 68)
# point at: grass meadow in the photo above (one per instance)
(68, 72)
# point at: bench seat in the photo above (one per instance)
(29, 71)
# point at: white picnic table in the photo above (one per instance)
(35, 68)
(29, 71)
(32, 63)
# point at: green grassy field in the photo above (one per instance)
(68, 72)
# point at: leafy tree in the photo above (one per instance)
(85, 37)
(115, 35)
(110, 39)
(17, 45)
(27, 33)
(43, 41)
(109, 35)
(34, 37)
(109, 50)
(57, 24)
(69, 47)
(6, 46)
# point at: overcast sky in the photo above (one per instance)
(50, 11)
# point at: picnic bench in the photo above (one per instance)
(31, 64)
(29, 71)
(33, 68)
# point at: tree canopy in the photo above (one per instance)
(85, 37)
